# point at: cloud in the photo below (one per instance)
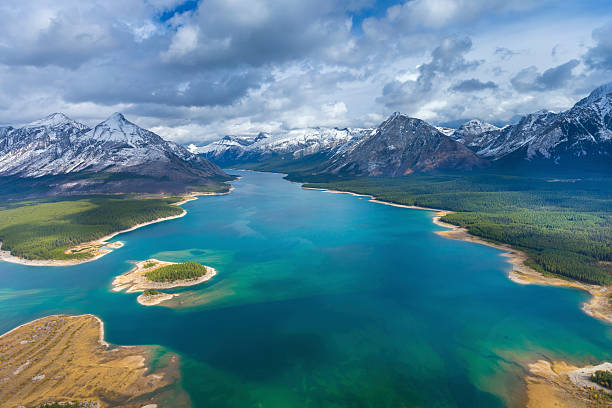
(436, 14)
(256, 33)
(63, 36)
(473, 85)
(505, 53)
(447, 59)
(185, 41)
(529, 79)
(600, 56)
(195, 70)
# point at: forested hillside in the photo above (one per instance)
(44, 230)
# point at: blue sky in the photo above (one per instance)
(194, 71)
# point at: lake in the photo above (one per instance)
(323, 300)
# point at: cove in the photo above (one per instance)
(323, 300)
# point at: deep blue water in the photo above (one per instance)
(323, 300)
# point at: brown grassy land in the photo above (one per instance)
(65, 358)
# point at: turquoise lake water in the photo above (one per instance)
(323, 300)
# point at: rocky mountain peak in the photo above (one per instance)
(596, 94)
(402, 145)
(54, 120)
(117, 129)
(476, 127)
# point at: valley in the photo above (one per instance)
(306, 204)
(554, 224)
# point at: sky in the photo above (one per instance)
(194, 71)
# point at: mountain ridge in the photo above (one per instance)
(293, 145)
(59, 146)
(580, 137)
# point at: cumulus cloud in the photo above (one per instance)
(446, 59)
(194, 71)
(600, 56)
(529, 79)
(473, 85)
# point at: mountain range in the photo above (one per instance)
(294, 145)
(117, 156)
(580, 137)
(122, 156)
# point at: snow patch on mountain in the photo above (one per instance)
(445, 130)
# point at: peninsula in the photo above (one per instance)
(65, 233)
(152, 275)
(64, 359)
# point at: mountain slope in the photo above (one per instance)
(36, 145)
(402, 145)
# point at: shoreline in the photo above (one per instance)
(102, 341)
(102, 245)
(597, 307)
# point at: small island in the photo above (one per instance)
(152, 297)
(152, 275)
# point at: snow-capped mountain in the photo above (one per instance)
(496, 143)
(402, 145)
(584, 131)
(445, 130)
(36, 145)
(581, 136)
(294, 144)
(58, 145)
(471, 132)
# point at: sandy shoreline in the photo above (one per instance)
(598, 307)
(101, 246)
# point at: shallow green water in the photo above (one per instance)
(323, 300)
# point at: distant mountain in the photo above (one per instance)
(471, 132)
(58, 145)
(292, 145)
(445, 130)
(402, 145)
(580, 137)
